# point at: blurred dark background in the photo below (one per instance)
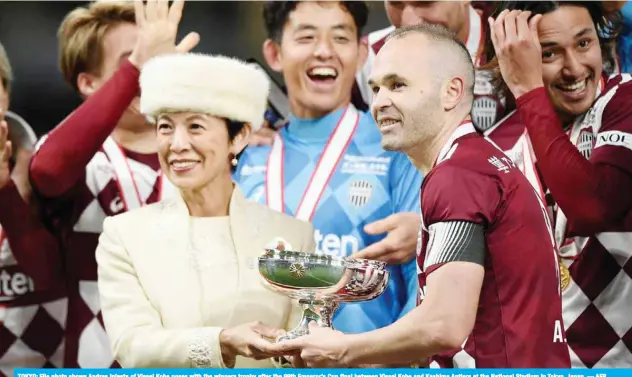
(28, 32)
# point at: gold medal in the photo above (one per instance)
(565, 276)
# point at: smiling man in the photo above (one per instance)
(487, 300)
(572, 136)
(327, 165)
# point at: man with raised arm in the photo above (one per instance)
(572, 136)
(101, 160)
(32, 316)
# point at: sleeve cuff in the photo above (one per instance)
(535, 93)
(130, 68)
(205, 350)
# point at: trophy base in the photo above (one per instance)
(318, 311)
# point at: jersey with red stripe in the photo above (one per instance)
(78, 220)
(487, 107)
(598, 298)
(32, 319)
(519, 318)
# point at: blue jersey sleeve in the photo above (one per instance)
(405, 184)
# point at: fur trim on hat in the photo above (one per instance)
(211, 84)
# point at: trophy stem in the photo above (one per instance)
(318, 311)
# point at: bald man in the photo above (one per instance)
(488, 301)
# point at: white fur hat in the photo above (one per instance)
(210, 84)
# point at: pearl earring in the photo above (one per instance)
(234, 162)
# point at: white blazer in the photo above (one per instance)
(150, 293)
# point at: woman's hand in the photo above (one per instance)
(252, 340)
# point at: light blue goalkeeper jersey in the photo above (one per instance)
(367, 184)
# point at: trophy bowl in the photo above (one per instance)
(319, 283)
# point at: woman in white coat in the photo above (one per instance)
(175, 282)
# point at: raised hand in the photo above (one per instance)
(157, 30)
(518, 49)
(5, 151)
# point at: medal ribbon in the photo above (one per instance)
(125, 181)
(332, 153)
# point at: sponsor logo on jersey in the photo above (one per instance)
(372, 165)
(252, 169)
(360, 193)
(335, 245)
(14, 284)
(615, 138)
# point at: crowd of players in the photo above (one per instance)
(571, 137)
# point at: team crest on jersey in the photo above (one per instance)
(484, 112)
(360, 193)
(585, 142)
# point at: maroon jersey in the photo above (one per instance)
(81, 176)
(519, 317)
(78, 219)
(32, 316)
(487, 107)
(597, 297)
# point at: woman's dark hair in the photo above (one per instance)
(608, 26)
(234, 127)
(276, 14)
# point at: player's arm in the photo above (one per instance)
(592, 193)
(62, 155)
(447, 313)
(34, 248)
(458, 205)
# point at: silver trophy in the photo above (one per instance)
(320, 283)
